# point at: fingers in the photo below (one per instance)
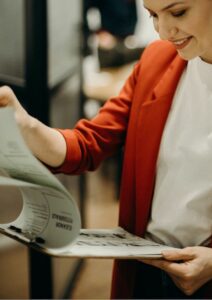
(7, 97)
(189, 268)
(175, 261)
(179, 254)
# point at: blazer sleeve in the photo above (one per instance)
(91, 141)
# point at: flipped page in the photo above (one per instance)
(49, 214)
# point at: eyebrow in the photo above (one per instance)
(168, 6)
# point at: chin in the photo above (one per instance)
(187, 56)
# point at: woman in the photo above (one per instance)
(162, 117)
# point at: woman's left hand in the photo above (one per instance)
(190, 268)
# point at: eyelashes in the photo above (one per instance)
(176, 14)
(179, 13)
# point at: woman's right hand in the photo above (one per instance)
(8, 98)
(46, 143)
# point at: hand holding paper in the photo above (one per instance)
(190, 268)
(46, 143)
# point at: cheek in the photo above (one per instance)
(201, 36)
(200, 26)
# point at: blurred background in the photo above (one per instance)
(64, 59)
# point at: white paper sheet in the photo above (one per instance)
(49, 212)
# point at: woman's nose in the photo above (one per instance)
(167, 30)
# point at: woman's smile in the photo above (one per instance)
(181, 43)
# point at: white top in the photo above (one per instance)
(182, 204)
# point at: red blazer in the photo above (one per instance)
(134, 119)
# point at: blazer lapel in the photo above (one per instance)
(150, 124)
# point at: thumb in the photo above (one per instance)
(7, 97)
(178, 254)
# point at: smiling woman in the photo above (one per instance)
(162, 116)
(187, 24)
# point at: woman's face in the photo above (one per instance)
(185, 23)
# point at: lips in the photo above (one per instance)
(181, 43)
